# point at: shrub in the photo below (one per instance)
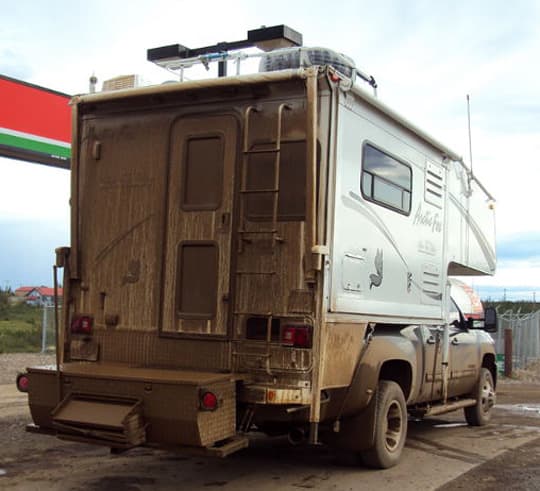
(19, 336)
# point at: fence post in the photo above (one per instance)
(508, 352)
(44, 329)
(537, 331)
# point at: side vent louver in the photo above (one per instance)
(434, 185)
(431, 281)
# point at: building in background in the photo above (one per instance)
(37, 296)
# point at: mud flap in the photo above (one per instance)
(356, 432)
(108, 421)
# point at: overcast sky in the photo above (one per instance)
(425, 55)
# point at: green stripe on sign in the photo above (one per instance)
(35, 146)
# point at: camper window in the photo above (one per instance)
(386, 180)
(197, 280)
(202, 170)
(292, 181)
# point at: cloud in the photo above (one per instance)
(513, 275)
(13, 66)
(27, 251)
(31, 191)
(498, 293)
(519, 247)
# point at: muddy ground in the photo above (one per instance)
(518, 403)
(441, 453)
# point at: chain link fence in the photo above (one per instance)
(525, 337)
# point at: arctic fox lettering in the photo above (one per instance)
(426, 218)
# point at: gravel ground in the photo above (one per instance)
(530, 374)
(13, 363)
(434, 455)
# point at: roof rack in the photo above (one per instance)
(273, 41)
(177, 57)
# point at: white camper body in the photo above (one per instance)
(392, 243)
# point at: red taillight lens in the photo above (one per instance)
(287, 336)
(22, 382)
(296, 336)
(209, 400)
(82, 324)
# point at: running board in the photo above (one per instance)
(444, 408)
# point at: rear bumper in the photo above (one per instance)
(153, 406)
(262, 394)
(225, 448)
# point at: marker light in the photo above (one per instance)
(296, 336)
(22, 382)
(208, 401)
(82, 324)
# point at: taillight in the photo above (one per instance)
(296, 336)
(82, 324)
(208, 400)
(22, 382)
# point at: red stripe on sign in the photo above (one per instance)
(34, 110)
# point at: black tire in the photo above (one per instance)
(390, 427)
(480, 413)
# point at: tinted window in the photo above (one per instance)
(202, 173)
(292, 182)
(197, 280)
(386, 180)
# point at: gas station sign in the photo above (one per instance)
(35, 123)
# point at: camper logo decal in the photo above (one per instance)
(376, 279)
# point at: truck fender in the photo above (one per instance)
(391, 358)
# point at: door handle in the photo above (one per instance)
(431, 340)
(225, 220)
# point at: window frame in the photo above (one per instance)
(371, 198)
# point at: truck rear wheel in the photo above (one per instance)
(390, 427)
(480, 413)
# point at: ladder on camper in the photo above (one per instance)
(273, 191)
(243, 232)
(266, 355)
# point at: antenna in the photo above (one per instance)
(469, 124)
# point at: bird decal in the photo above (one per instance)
(376, 278)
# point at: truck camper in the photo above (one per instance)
(265, 252)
